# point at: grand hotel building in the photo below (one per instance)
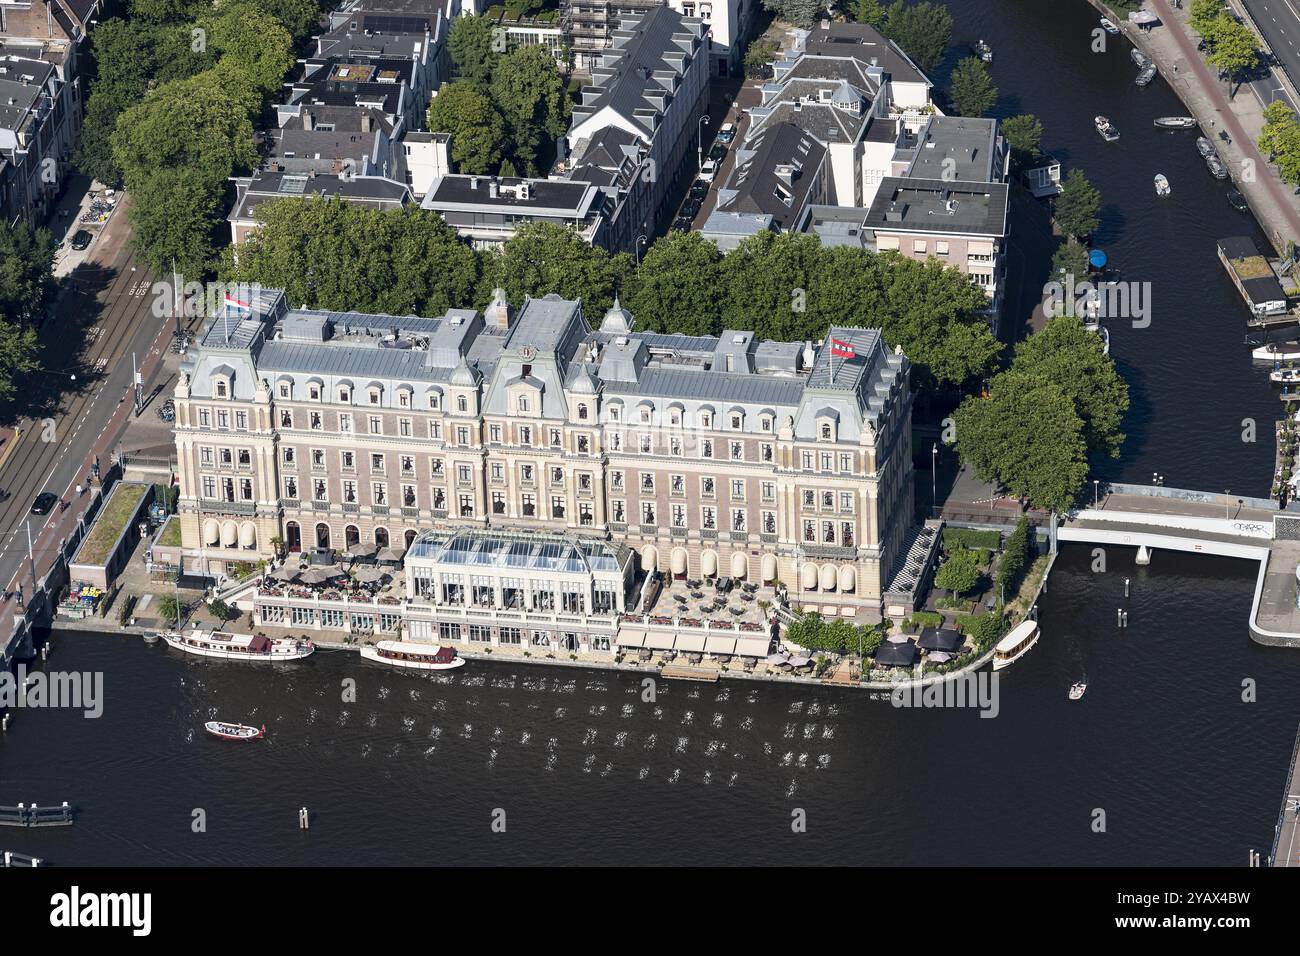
(528, 461)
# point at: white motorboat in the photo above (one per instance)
(982, 50)
(423, 657)
(1175, 122)
(1140, 59)
(1107, 129)
(1109, 26)
(238, 647)
(1146, 75)
(1218, 168)
(1277, 352)
(1077, 690)
(1015, 645)
(228, 731)
(1162, 185)
(1204, 147)
(1284, 376)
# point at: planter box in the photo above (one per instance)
(104, 551)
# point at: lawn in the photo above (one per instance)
(117, 511)
(171, 534)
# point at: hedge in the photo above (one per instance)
(971, 538)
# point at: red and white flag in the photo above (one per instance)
(236, 304)
(842, 349)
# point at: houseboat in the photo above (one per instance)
(1015, 645)
(238, 647)
(422, 657)
(227, 731)
(1106, 128)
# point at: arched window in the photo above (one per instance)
(292, 537)
(381, 537)
(322, 535)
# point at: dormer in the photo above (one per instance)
(828, 425)
(223, 382)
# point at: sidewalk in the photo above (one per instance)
(1173, 48)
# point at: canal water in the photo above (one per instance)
(585, 769)
(1191, 377)
(415, 769)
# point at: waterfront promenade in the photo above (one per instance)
(1286, 841)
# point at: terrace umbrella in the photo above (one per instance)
(283, 573)
(391, 555)
(940, 657)
(941, 639)
(370, 574)
(316, 575)
(897, 655)
(777, 658)
(363, 549)
(897, 638)
(799, 661)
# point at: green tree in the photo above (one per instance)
(1024, 136)
(1280, 140)
(543, 257)
(678, 286)
(1070, 259)
(871, 12)
(252, 43)
(960, 573)
(1077, 206)
(1015, 554)
(222, 611)
(529, 92)
(475, 126)
(802, 13)
(1027, 437)
(1203, 14)
(923, 30)
(172, 609)
(1067, 354)
(983, 629)
(805, 631)
(18, 355)
(1236, 51)
(473, 49)
(174, 213)
(758, 54)
(329, 254)
(972, 92)
(26, 271)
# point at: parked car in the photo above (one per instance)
(699, 189)
(690, 209)
(718, 152)
(709, 171)
(727, 133)
(44, 503)
(681, 224)
(81, 239)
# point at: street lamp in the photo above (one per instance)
(640, 243)
(699, 129)
(1094, 494)
(934, 472)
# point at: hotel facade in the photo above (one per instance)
(537, 468)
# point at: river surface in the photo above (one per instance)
(415, 769)
(1191, 377)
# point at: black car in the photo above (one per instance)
(690, 209)
(718, 151)
(699, 189)
(681, 224)
(44, 503)
(81, 240)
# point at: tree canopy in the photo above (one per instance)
(473, 49)
(543, 257)
(923, 30)
(678, 286)
(1024, 136)
(26, 262)
(960, 573)
(972, 92)
(476, 128)
(1236, 49)
(1077, 206)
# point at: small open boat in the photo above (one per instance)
(227, 731)
(1146, 75)
(982, 50)
(1218, 168)
(1175, 122)
(1107, 129)
(1077, 690)
(1109, 26)
(1140, 59)
(1236, 200)
(1162, 185)
(1204, 147)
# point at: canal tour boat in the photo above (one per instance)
(1077, 690)
(1162, 185)
(1107, 129)
(1175, 122)
(238, 647)
(228, 731)
(1015, 645)
(421, 657)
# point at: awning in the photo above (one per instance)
(848, 578)
(828, 577)
(720, 645)
(211, 531)
(769, 567)
(630, 638)
(679, 561)
(659, 640)
(753, 646)
(739, 564)
(229, 534)
(690, 643)
(708, 564)
(247, 535)
(649, 559)
(808, 577)
(1142, 17)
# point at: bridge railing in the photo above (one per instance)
(1187, 494)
